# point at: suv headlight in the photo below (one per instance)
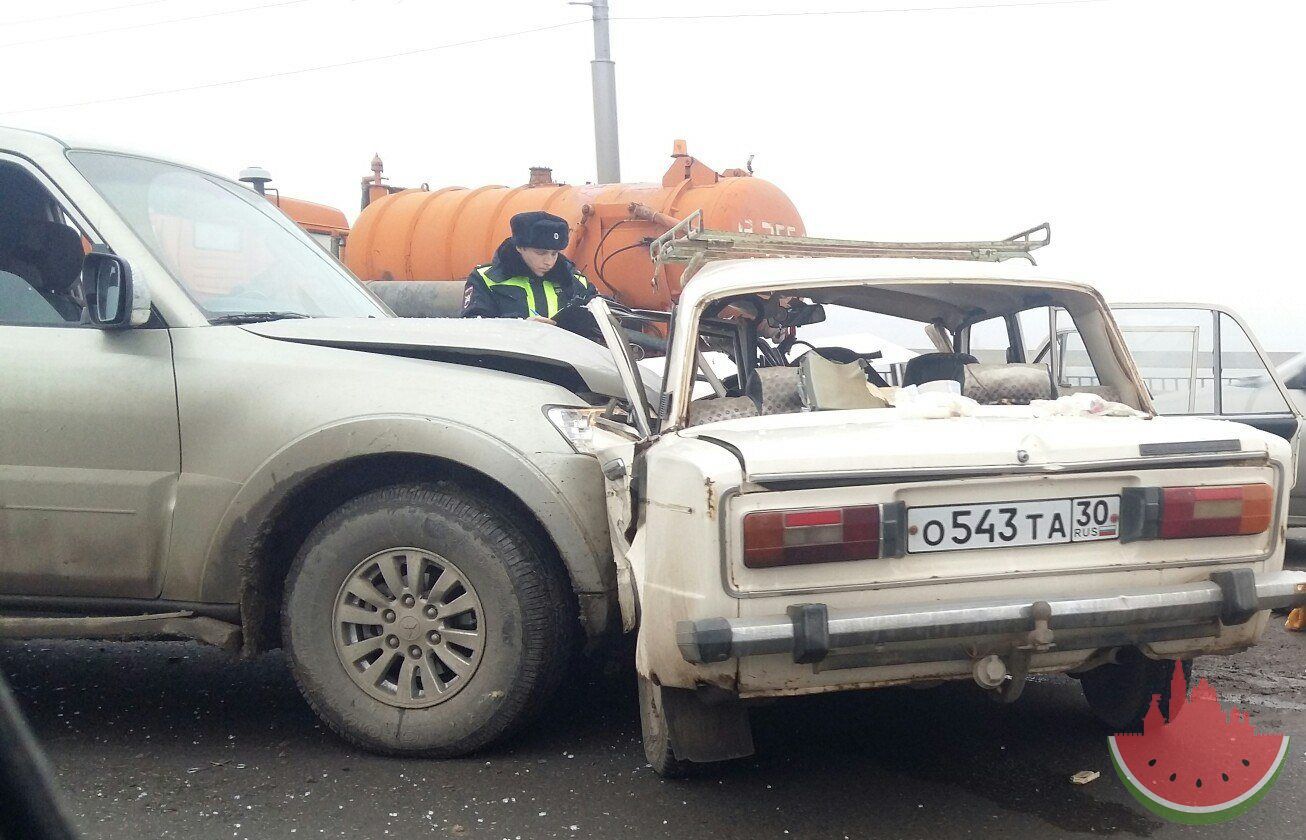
(576, 425)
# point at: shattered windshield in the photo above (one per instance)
(237, 256)
(781, 353)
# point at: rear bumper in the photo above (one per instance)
(810, 632)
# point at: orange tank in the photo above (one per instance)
(441, 234)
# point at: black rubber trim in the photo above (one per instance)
(811, 632)
(712, 635)
(1239, 589)
(893, 530)
(729, 447)
(1140, 513)
(1191, 447)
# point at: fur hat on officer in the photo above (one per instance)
(538, 229)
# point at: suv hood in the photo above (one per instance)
(539, 351)
(848, 444)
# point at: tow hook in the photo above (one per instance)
(1040, 638)
(1007, 678)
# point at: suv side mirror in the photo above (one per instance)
(110, 295)
(1298, 382)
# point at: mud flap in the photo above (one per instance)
(705, 732)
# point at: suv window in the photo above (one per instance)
(40, 255)
(232, 251)
(21, 304)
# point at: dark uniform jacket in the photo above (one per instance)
(506, 288)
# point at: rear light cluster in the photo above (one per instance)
(1170, 513)
(823, 535)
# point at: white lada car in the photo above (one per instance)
(816, 522)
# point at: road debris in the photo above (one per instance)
(1084, 777)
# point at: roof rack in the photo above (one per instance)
(689, 242)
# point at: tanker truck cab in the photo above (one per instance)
(809, 530)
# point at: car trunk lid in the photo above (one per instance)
(840, 446)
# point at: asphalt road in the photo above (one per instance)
(172, 740)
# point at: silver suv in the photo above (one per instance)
(209, 429)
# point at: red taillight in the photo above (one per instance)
(825, 535)
(1169, 513)
(1234, 510)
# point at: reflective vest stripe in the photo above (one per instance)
(551, 306)
(520, 282)
(550, 298)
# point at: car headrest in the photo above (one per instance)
(1010, 384)
(932, 367)
(61, 256)
(54, 249)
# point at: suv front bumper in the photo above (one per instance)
(811, 631)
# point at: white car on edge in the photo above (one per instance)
(807, 528)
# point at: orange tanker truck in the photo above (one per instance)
(326, 225)
(415, 247)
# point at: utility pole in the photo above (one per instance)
(604, 73)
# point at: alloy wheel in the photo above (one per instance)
(408, 627)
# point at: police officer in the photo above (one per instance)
(529, 278)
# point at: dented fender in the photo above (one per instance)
(564, 491)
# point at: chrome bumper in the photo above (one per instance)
(810, 632)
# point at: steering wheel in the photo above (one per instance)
(777, 356)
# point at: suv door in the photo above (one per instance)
(90, 450)
(1201, 360)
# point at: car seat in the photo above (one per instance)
(776, 390)
(716, 409)
(844, 356)
(827, 385)
(1009, 384)
(932, 367)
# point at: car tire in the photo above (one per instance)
(476, 656)
(658, 748)
(1120, 693)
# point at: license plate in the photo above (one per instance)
(1010, 524)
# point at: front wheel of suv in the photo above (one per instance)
(418, 619)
